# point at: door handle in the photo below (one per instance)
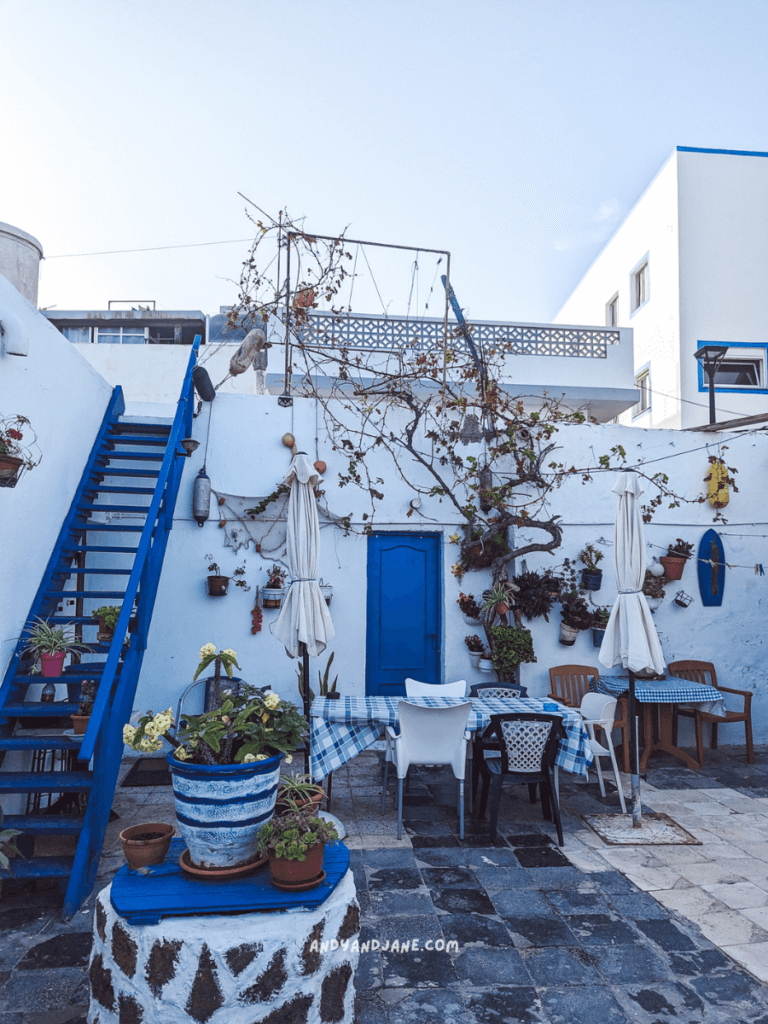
(434, 640)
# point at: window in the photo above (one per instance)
(640, 291)
(120, 335)
(78, 335)
(643, 384)
(612, 311)
(743, 369)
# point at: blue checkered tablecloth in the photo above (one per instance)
(341, 729)
(665, 691)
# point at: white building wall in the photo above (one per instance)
(65, 400)
(723, 269)
(651, 228)
(246, 457)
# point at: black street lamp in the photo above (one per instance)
(709, 358)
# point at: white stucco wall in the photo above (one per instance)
(246, 457)
(65, 400)
(650, 228)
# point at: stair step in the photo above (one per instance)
(134, 456)
(119, 471)
(84, 668)
(103, 528)
(90, 507)
(85, 593)
(63, 824)
(99, 547)
(128, 439)
(79, 571)
(111, 489)
(77, 620)
(36, 743)
(35, 709)
(45, 782)
(43, 867)
(124, 427)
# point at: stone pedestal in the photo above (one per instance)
(262, 968)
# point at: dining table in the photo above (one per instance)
(659, 698)
(341, 729)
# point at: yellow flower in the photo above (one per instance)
(129, 732)
(261, 757)
(265, 717)
(231, 653)
(289, 758)
(272, 701)
(206, 650)
(249, 757)
(181, 753)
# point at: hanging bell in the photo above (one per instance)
(201, 498)
(203, 384)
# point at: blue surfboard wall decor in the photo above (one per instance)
(711, 567)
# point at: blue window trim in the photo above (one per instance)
(645, 368)
(644, 260)
(704, 385)
(727, 152)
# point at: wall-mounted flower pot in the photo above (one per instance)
(216, 586)
(683, 600)
(654, 603)
(486, 667)
(475, 657)
(271, 597)
(469, 620)
(146, 844)
(502, 608)
(10, 470)
(591, 579)
(52, 665)
(568, 635)
(327, 591)
(673, 566)
(597, 636)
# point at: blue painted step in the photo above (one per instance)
(112, 489)
(35, 743)
(34, 709)
(88, 571)
(45, 782)
(46, 824)
(103, 528)
(72, 551)
(120, 471)
(43, 867)
(89, 507)
(136, 456)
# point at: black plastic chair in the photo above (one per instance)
(488, 690)
(523, 752)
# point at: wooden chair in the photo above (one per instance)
(569, 684)
(704, 672)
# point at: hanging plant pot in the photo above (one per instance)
(475, 659)
(673, 566)
(216, 586)
(52, 665)
(502, 608)
(683, 600)
(486, 667)
(597, 636)
(10, 470)
(568, 634)
(591, 579)
(327, 591)
(653, 603)
(271, 597)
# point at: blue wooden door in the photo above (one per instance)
(403, 623)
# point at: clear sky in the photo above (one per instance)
(515, 133)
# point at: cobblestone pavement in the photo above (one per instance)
(588, 933)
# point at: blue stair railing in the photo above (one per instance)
(119, 448)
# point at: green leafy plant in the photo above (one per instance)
(600, 618)
(110, 613)
(293, 791)
(291, 835)
(7, 849)
(88, 690)
(468, 605)
(474, 644)
(574, 611)
(43, 638)
(13, 431)
(590, 557)
(322, 680)
(510, 647)
(497, 595)
(534, 595)
(238, 575)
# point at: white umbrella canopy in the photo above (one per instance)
(630, 637)
(304, 617)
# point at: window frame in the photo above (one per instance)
(643, 375)
(758, 352)
(612, 306)
(642, 267)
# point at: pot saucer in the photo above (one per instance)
(300, 886)
(218, 874)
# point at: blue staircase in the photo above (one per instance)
(134, 468)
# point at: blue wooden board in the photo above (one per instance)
(166, 891)
(711, 577)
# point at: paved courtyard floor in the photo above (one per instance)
(591, 933)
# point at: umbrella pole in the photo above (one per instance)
(305, 676)
(634, 753)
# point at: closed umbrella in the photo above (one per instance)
(630, 637)
(304, 624)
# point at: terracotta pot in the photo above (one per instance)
(217, 585)
(282, 808)
(104, 635)
(80, 723)
(294, 872)
(673, 566)
(52, 665)
(320, 466)
(141, 852)
(9, 467)
(502, 608)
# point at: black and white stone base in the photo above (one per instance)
(263, 968)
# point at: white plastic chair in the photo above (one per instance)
(599, 712)
(413, 688)
(429, 736)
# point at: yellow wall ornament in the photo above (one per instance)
(717, 481)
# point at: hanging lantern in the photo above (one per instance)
(288, 440)
(202, 383)
(717, 481)
(485, 480)
(201, 498)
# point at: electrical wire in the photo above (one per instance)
(152, 248)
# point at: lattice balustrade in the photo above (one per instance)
(380, 333)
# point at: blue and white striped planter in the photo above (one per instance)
(220, 808)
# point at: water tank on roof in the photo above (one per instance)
(20, 256)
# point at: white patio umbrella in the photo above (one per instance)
(304, 624)
(630, 637)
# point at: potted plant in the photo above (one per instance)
(88, 691)
(500, 598)
(510, 647)
(225, 764)
(326, 690)
(146, 844)
(470, 609)
(653, 588)
(591, 576)
(15, 456)
(217, 585)
(476, 649)
(552, 584)
(326, 590)
(295, 843)
(298, 792)
(600, 618)
(535, 594)
(272, 592)
(51, 644)
(481, 553)
(107, 615)
(675, 559)
(575, 615)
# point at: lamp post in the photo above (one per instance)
(709, 358)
